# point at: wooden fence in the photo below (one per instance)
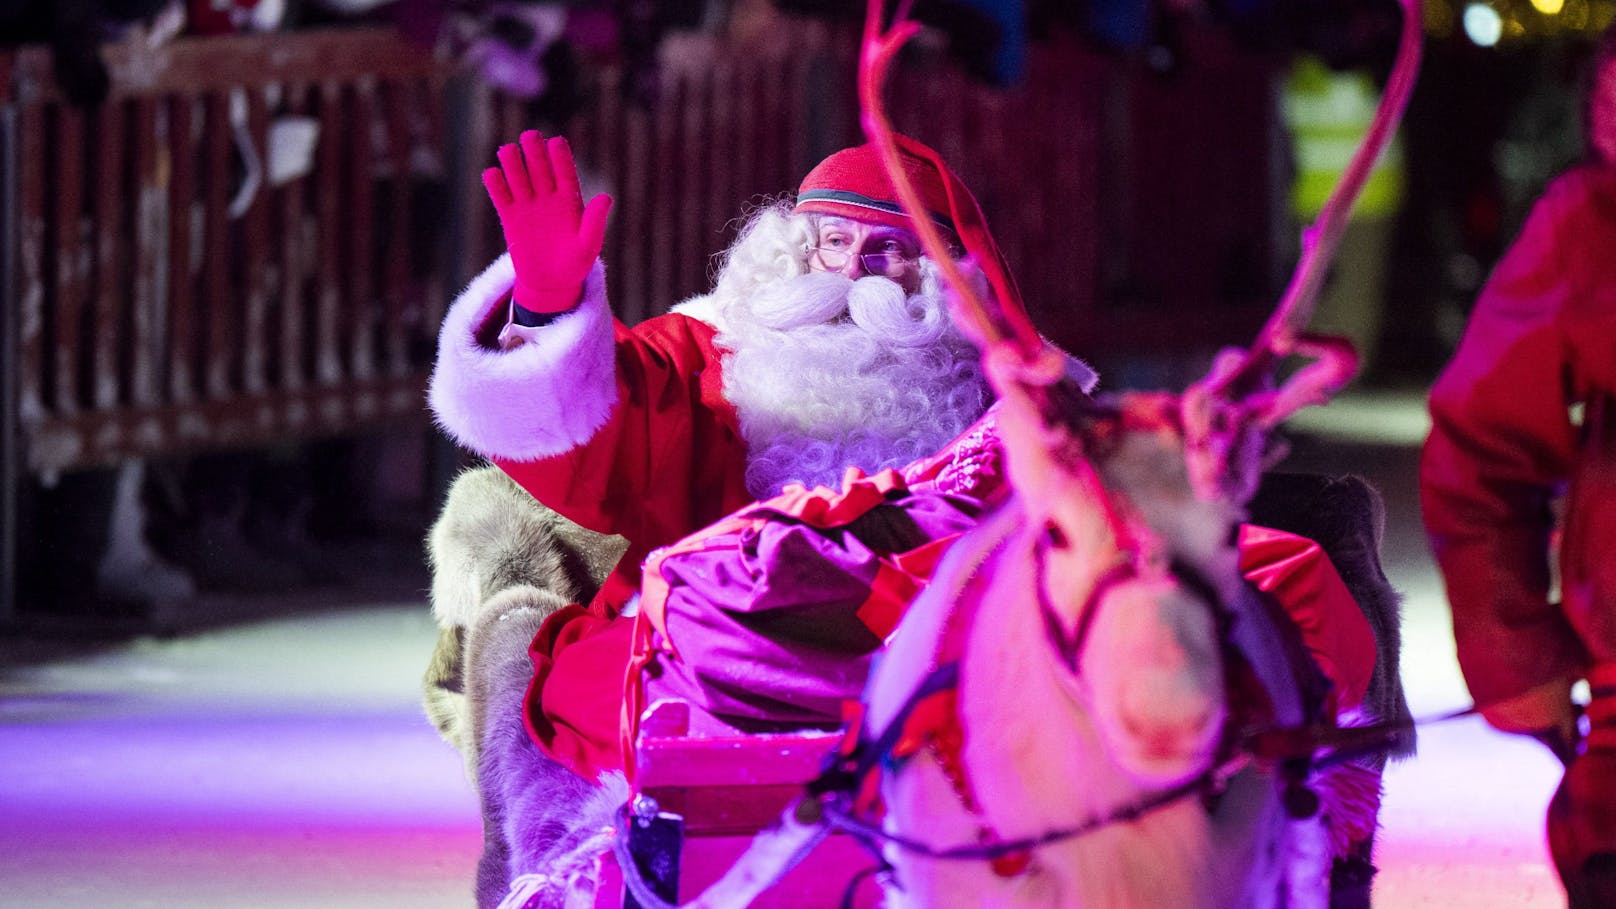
(151, 317)
(1137, 211)
(152, 308)
(158, 304)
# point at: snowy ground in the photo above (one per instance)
(285, 762)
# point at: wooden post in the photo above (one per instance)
(146, 351)
(396, 309)
(27, 149)
(219, 323)
(69, 259)
(331, 248)
(359, 260)
(11, 288)
(293, 367)
(184, 368)
(257, 271)
(109, 301)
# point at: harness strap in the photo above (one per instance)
(1071, 651)
(846, 768)
(836, 812)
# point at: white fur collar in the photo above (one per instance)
(703, 309)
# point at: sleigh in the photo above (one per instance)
(705, 797)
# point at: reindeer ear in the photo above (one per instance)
(1081, 374)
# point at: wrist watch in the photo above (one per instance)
(516, 333)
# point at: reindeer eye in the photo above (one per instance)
(1053, 534)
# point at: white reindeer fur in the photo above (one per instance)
(1039, 759)
(506, 403)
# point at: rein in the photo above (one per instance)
(831, 798)
(838, 813)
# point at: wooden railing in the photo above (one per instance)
(151, 318)
(152, 309)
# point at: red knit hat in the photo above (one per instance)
(853, 184)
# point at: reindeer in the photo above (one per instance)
(1095, 752)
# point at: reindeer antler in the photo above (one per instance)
(998, 325)
(987, 322)
(1226, 413)
(1279, 336)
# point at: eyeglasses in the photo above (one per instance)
(881, 264)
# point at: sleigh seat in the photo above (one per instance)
(714, 793)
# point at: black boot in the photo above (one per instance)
(1582, 831)
(1593, 885)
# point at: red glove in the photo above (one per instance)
(554, 239)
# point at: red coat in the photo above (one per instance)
(1524, 409)
(668, 462)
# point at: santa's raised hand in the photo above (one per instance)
(553, 237)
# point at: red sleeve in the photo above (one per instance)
(668, 460)
(1500, 442)
(1299, 576)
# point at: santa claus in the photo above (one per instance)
(825, 343)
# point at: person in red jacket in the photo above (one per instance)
(824, 344)
(1526, 412)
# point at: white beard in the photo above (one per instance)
(828, 373)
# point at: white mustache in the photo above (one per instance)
(811, 299)
(880, 307)
(876, 305)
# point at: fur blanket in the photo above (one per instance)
(501, 564)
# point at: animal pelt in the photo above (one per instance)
(491, 535)
(1346, 516)
(494, 550)
(501, 564)
(540, 820)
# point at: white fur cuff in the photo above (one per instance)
(538, 400)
